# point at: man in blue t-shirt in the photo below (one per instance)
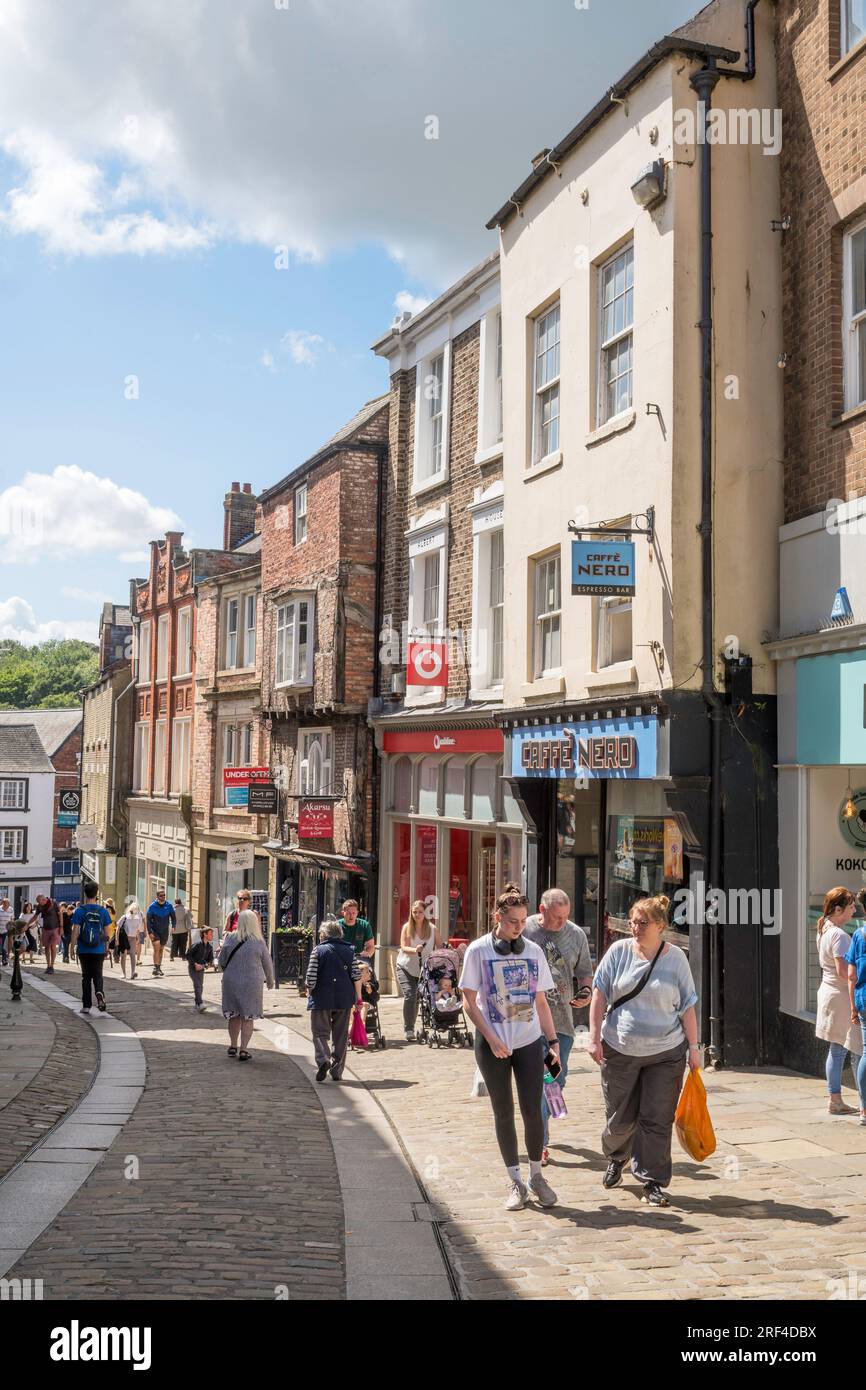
(160, 916)
(91, 931)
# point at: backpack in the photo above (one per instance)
(90, 934)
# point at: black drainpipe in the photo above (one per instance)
(373, 905)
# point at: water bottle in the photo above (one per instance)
(554, 1097)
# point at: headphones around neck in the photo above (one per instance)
(508, 948)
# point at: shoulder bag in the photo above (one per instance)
(239, 947)
(632, 994)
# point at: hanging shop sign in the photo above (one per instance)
(315, 820)
(263, 799)
(236, 781)
(70, 803)
(86, 837)
(239, 858)
(594, 749)
(427, 663)
(443, 741)
(66, 820)
(602, 567)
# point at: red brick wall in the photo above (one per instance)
(168, 587)
(823, 178)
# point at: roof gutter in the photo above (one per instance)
(659, 51)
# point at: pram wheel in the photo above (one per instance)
(381, 1042)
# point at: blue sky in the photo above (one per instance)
(148, 170)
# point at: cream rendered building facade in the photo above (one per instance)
(602, 373)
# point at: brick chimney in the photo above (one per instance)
(240, 515)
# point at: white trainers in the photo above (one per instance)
(517, 1195)
(541, 1189)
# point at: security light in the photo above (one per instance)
(649, 186)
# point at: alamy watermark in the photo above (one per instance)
(738, 126)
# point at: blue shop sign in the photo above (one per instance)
(237, 796)
(602, 567)
(594, 749)
(67, 819)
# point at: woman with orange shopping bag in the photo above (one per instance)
(642, 1032)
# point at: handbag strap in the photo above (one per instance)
(638, 987)
(240, 946)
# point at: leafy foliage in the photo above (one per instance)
(49, 676)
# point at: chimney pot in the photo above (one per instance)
(248, 487)
(236, 487)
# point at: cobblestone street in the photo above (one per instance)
(234, 1181)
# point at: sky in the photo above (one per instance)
(209, 209)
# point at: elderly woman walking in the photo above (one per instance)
(246, 965)
(334, 985)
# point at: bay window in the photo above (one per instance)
(293, 657)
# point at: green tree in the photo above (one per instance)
(48, 676)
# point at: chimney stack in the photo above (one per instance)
(240, 515)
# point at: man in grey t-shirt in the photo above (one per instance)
(565, 945)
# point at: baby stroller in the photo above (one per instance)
(442, 1020)
(370, 997)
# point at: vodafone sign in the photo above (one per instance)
(427, 663)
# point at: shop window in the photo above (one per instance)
(425, 867)
(400, 870)
(401, 798)
(485, 778)
(455, 788)
(645, 857)
(428, 787)
(460, 896)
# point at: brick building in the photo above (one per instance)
(162, 609)
(59, 731)
(106, 773)
(319, 620)
(448, 831)
(229, 732)
(820, 649)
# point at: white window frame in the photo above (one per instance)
(608, 605)
(183, 656)
(542, 390)
(143, 652)
(487, 511)
(542, 617)
(235, 738)
(160, 735)
(300, 514)
(847, 41)
(424, 476)
(250, 610)
(239, 641)
(323, 741)
(853, 368)
(232, 630)
(496, 607)
(141, 755)
(422, 545)
(13, 837)
(181, 748)
(290, 661)
(489, 441)
(607, 345)
(162, 647)
(13, 793)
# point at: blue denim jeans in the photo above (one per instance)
(861, 1065)
(836, 1059)
(566, 1043)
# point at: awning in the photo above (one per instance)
(350, 864)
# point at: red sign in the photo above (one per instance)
(427, 663)
(242, 776)
(444, 741)
(315, 820)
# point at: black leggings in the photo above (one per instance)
(527, 1064)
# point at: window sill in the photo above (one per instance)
(236, 671)
(857, 412)
(615, 425)
(491, 692)
(846, 60)
(545, 685)
(545, 465)
(429, 484)
(489, 455)
(623, 673)
(293, 685)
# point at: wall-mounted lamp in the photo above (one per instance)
(649, 186)
(781, 224)
(849, 810)
(783, 360)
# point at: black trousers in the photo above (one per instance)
(178, 944)
(91, 975)
(526, 1065)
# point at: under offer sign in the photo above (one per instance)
(237, 780)
(427, 663)
(315, 820)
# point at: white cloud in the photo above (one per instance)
(413, 302)
(83, 513)
(85, 595)
(267, 360)
(304, 348)
(166, 126)
(18, 623)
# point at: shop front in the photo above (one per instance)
(311, 885)
(159, 852)
(221, 879)
(452, 831)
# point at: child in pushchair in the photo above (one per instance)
(442, 1019)
(370, 1002)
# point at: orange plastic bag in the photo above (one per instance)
(692, 1120)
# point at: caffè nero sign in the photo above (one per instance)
(598, 749)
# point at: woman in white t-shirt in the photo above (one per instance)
(833, 1024)
(417, 939)
(504, 983)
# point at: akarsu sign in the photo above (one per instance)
(602, 567)
(593, 749)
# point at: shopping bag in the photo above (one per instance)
(358, 1035)
(479, 1086)
(692, 1119)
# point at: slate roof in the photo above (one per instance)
(52, 725)
(21, 750)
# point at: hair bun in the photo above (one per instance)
(663, 902)
(512, 888)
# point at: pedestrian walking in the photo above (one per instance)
(198, 957)
(642, 1039)
(855, 959)
(357, 931)
(48, 915)
(333, 983)
(417, 939)
(183, 925)
(834, 1023)
(505, 981)
(6, 916)
(132, 924)
(566, 950)
(160, 917)
(124, 942)
(244, 904)
(66, 910)
(28, 922)
(246, 965)
(90, 937)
